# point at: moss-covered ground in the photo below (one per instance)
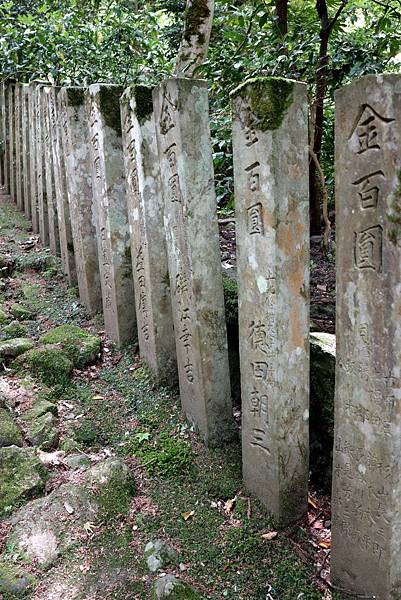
(192, 497)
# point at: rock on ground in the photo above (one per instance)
(158, 554)
(169, 586)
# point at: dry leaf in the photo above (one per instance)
(312, 502)
(97, 397)
(325, 544)
(187, 515)
(68, 508)
(270, 535)
(229, 505)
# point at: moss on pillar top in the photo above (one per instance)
(269, 99)
(75, 95)
(195, 16)
(109, 103)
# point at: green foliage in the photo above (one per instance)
(168, 456)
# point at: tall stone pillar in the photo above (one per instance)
(11, 139)
(182, 123)
(148, 242)
(75, 145)
(19, 190)
(270, 145)
(26, 152)
(3, 178)
(41, 167)
(54, 234)
(109, 194)
(60, 186)
(32, 116)
(366, 520)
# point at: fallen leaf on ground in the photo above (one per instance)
(325, 544)
(187, 515)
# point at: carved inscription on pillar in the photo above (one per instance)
(368, 378)
(272, 252)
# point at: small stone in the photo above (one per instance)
(169, 586)
(15, 329)
(39, 409)
(15, 582)
(41, 432)
(13, 348)
(21, 312)
(77, 461)
(158, 555)
(10, 434)
(22, 476)
(81, 347)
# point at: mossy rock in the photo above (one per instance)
(21, 312)
(158, 555)
(41, 432)
(169, 586)
(39, 409)
(321, 423)
(15, 329)
(4, 317)
(49, 364)
(22, 476)
(10, 349)
(15, 582)
(114, 487)
(81, 347)
(10, 434)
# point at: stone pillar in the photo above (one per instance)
(6, 139)
(41, 167)
(11, 139)
(60, 185)
(25, 143)
(32, 116)
(54, 234)
(109, 194)
(148, 244)
(76, 152)
(182, 122)
(18, 147)
(366, 523)
(2, 133)
(270, 145)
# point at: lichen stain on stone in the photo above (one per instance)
(143, 102)
(394, 233)
(109, 102)
(269, 99)
(297, 337)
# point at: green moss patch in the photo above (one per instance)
(21, 312)
(4, 317)
(48, 364)
(15, 582)
(12, 348)
(81, 347)
(10, 434)
(269, 99)
(15, 329)
(22, 476)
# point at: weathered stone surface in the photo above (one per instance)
(158, 555)
(75, 145)
(148, 243)
(15, 329)
(21, 312)
(46, 528)
(77, 461)
(11, 139)
(22, 476)
(12, 348)
(32, 116)
(41, 431)
(366, 518)
(60, 184)
(15, 582)
(108, 184)
(39, 409)
(182, 123)
(18, 146)
(4, 130)
(168, 586)
(81, 347)
(25, 144)
(41, 166)
(49, 182)
(270, 145)
(4, 317)
(49, 363)
(10, 434)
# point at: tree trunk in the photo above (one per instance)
(315, 192)
(282, 16)
(195, 39)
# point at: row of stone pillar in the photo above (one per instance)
(120, 184)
